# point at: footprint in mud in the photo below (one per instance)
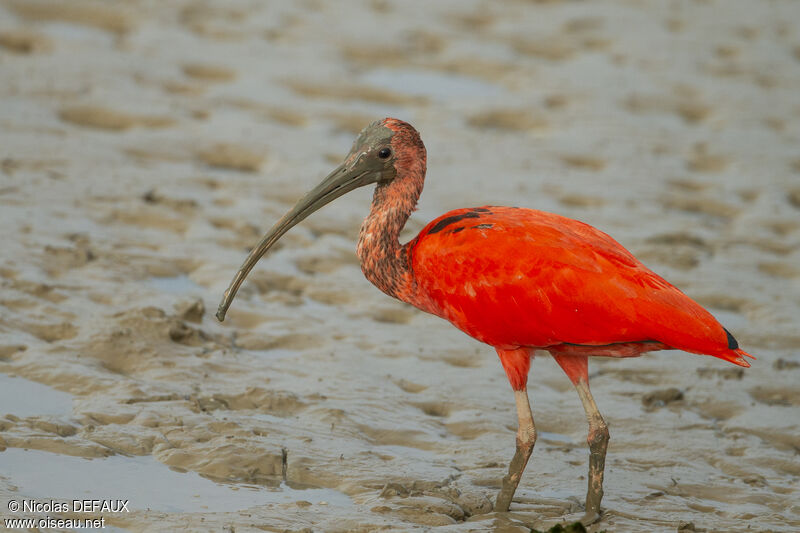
(104, 118)
(24, 41)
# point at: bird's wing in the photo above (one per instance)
(520, 277)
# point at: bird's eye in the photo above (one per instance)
(384, 153)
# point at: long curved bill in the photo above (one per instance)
(337, 183)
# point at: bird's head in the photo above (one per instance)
(382, 152)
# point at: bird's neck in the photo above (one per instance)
(384, 260)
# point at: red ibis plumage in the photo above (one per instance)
(516, 279)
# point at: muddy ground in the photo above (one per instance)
(145, 146)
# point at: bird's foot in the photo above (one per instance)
(590, 518)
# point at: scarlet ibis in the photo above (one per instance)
(517, 279)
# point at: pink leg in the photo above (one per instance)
(576, 367)
(516, 364)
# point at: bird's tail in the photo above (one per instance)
(736, 357)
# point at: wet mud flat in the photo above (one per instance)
(145, 146)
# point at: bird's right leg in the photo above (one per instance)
(516, 364)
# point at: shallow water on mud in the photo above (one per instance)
(145, 483)
(21, 397)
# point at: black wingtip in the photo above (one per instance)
(732, 344)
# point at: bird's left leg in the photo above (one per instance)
(516, 364)
(576, 367)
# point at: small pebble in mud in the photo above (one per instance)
(660, 398)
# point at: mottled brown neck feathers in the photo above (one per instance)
(384, 260)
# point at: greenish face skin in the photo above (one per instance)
(371, 160)
(365, 155)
